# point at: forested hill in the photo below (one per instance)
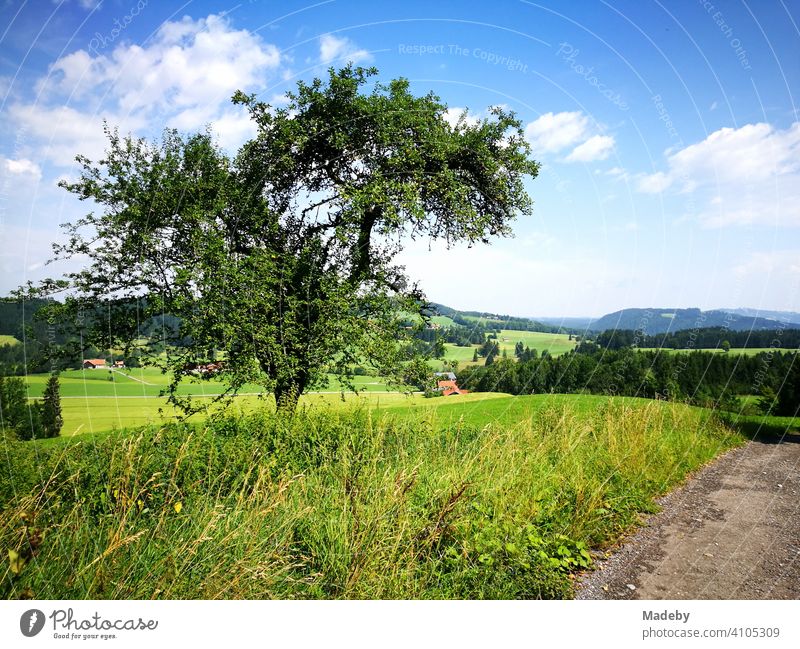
(658, 321)
(497, 321)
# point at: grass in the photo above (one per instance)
(345, 503)
(8, 340)
(502, 409)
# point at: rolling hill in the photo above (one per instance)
(656, 321)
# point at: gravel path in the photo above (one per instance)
(732, 532)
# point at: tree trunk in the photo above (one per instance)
(287, 394)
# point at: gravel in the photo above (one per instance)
(731, 532)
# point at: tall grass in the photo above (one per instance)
(334, 504)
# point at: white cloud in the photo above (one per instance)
(597, 147)
(752, 153)
(22, 167)
(333, 48)
(454, 114)
(556, 131)
(653, 183)
(63, 132)
(184, 77)
(233, 128)
(741, 176)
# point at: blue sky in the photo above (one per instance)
(668, 132)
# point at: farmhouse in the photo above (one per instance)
(94, 363)
(203, 368)
(448, 388)
(119, 363)
(445, 376)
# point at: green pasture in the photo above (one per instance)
(8, 340)
(149, 382)
(555, 344)
(92, 403)
(503, 410)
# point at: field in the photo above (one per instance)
(555, 344)
(488, 497)
(92, 403)
(8, 340)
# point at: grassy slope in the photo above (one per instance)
(8, 340)
(344, 504)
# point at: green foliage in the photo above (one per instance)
(281, 260)
(507, 559)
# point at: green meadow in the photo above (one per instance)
(555, 344)
(92, 403)
(487, 497)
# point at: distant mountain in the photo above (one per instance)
(649, 321)
(656, 321)
(788, 317)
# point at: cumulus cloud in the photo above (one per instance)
(22, 167)
(742, 176)
(555, 132)
(332, 48)
(183, 77)
(597, 147)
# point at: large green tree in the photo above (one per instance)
(281, 260)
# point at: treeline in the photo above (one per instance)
(49, 344)
(698, 377)
(36, 357)
(705, 338)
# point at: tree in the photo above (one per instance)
(17, 415)
(726, 346)
(51, 418)
(13, 400)
(282, 259)
(519, 348)
(789, 392)
(475, 356)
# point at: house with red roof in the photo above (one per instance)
(94, 363)
(448, 388)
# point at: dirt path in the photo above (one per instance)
(732, 532)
